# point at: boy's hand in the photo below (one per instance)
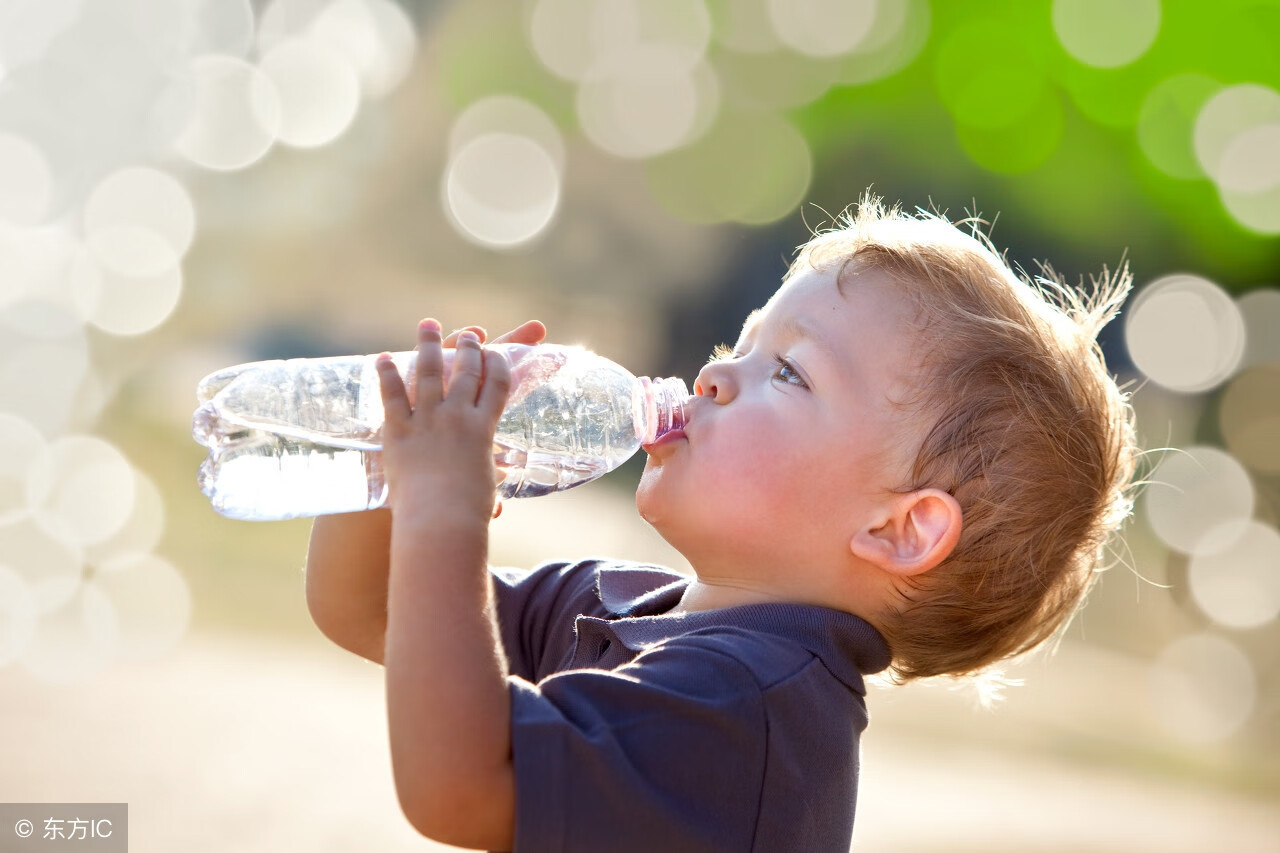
(438, 453)
(529, 332)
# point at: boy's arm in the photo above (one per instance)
(348, 558)
(448, 707)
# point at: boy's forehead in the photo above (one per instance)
(807, 280)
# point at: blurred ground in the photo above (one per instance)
(257, 744)
(256, 734)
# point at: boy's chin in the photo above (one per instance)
(649, 497)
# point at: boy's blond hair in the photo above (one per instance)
(1022, 424)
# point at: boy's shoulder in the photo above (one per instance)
(774, 641)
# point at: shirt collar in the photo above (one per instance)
(638, 599)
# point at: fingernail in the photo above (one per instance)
(469, 335)
(432, 325)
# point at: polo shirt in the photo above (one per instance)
(633, 729)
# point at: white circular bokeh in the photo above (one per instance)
(81, 489)
(640, 102)
(501, 189)
(507, 114)
(376, 37)
(1185, 333)
(823, 28)
(150, 602)
(1238, 585)
(74, 640)
(22, 442)
(1194, 492)
(235, 117)
(141, 200)
(26, 181)
(1225, 141)
(1106, 34)
(318, 89)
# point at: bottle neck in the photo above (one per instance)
(659, 407)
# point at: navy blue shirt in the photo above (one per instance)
(720, 730)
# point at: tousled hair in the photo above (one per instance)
(1022, 424)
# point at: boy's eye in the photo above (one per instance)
(783, 371)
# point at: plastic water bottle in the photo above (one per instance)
(301, 437)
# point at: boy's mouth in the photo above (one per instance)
(666, 438)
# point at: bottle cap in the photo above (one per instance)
(660, 405)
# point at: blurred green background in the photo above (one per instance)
(190, 184)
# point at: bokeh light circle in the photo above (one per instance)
(217, 26)
(1192, 493)
(559, 32)
(318, 90)
(75, 640)
(639, 102)
(1238, 586)
(43, 380)
(822, 28)
(52, 567)
(1256, 211)
(744, 26)
(571, 38)
(1167, 120)
(1251, 160)
(136, 304)
(501, 190)
(376, 37)
(22, 442)
(81, 488)
(145, 199)
(1261, 311)
(286, 19)
(898, 35)
(1104, 33)
(1249, 417)
(702, 183)
(1202, 688)
(772, 81)
(235, 116)
(141, 532)
(507, 114)
(150, 600)
(1232, 112)
(1185, 333)
(26, 181)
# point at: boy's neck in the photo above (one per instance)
(718, 594)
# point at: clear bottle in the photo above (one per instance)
(301, 437)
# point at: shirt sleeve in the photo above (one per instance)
(664, 753)
(536, 611)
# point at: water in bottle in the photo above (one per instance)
(301, 437)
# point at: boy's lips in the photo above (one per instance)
(676, 434)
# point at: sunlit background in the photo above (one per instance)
(189, 184)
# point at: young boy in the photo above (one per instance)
(911, 459)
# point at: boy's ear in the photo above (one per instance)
(915, 532)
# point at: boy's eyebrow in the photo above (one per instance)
(790, 328)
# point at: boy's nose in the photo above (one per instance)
(713, 381)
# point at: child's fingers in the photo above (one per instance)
(451, 340)
(430, 387)
(497, 385)
(528, 332)
(464, 379)
(395, 402)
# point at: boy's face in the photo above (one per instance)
(792, 441)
